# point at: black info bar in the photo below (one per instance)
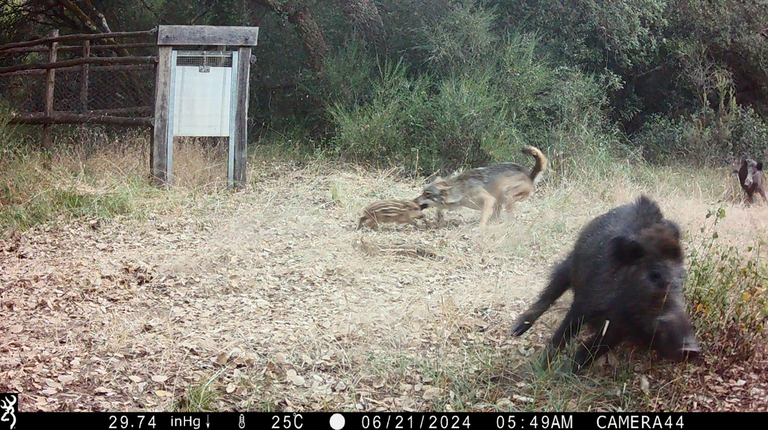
(380, 421)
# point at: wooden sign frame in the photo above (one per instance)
(172, 36)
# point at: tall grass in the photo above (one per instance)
(37, 187)
(92, 174)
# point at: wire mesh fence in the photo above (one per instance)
(24, 93)
(104, 89)
(72, 79)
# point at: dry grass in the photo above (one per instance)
(200, 298)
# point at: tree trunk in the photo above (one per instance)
(309, 32)
(366, 20)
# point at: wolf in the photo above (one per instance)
(485, 188)
(401, 211)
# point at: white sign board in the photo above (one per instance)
(202, 101)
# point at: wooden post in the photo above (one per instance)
(241, 117)
(50, 82)
(159, 155)
(84, 78)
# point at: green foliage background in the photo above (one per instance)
(434, 85)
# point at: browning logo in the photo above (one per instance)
(8, 404)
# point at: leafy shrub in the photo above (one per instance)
(381, 130)
(726, 292)
(461, 39)
(346, 78)
(707, 138)
(491, 97)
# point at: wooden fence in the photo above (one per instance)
(80, 79)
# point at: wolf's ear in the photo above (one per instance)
(441, 184)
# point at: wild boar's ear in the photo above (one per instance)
(760, 165)
(669, 243)
(673, 228)
(625, 250)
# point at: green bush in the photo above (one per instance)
(461, 40)
(704, 139)
(466, 122)
(346, 79)
(492, 96)
(380, 130)
(726, 292)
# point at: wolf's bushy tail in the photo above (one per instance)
(541, 162)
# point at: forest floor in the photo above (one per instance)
(269, 299)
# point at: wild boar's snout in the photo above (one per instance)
(675, 338)
(690, 347)
(748, 180)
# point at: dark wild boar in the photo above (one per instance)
(626, 271)
(751, 178)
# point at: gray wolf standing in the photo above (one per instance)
(484, 188)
